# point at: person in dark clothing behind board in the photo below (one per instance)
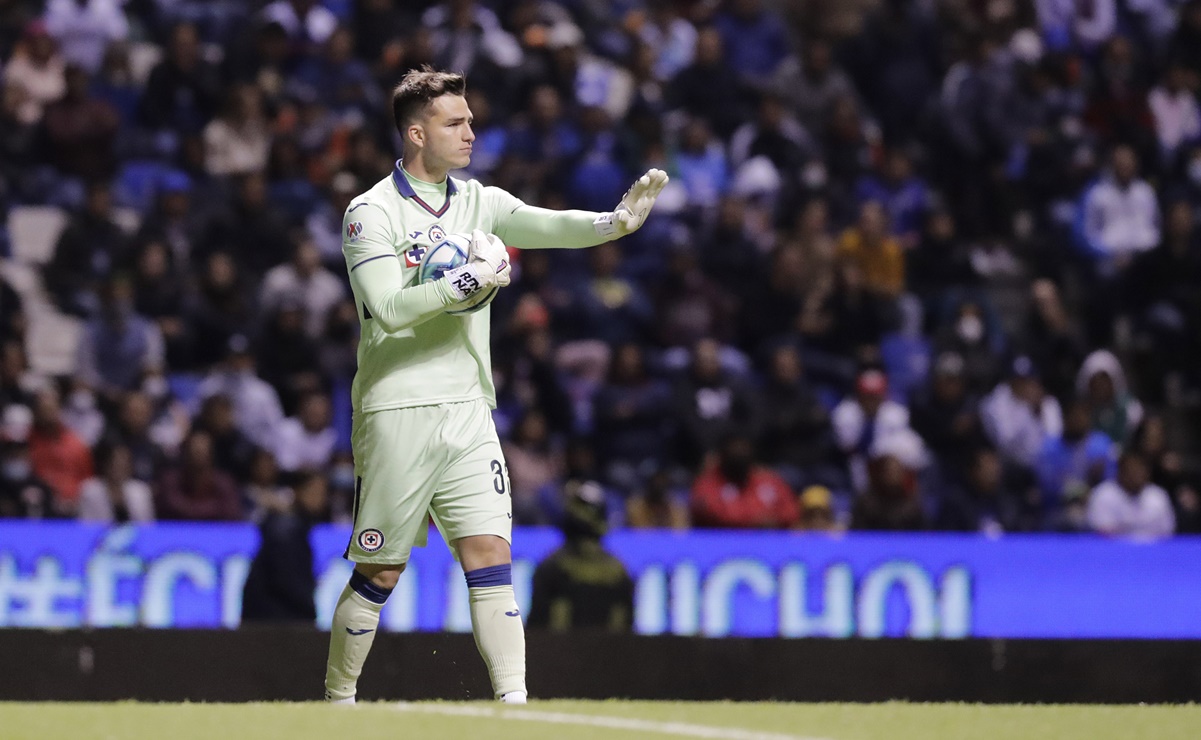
(281, 582)
(580, 584)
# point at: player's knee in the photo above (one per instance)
(483, 551)
(381, 576)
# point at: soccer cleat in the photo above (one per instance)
(514, 697)
(348, 701)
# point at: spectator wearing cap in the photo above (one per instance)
(862, 419)
(23, 495)
(734, 491)
(1019, 415)
(173, 221)
(119, 347)
(817, 510)
(85, 28)
(38, 70)
(256, 405)
(57, 454)
(945, 415)
(115, 496)
(306, 280)
(891, 500)
(1131, 505)
(1073, 462)
(582, 585)
(1115, 411)
(195, 489)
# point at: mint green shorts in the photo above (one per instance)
(442, 461)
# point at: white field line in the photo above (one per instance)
(595, 720)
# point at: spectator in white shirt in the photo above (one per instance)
(306, 441)
(867, 420)
(239, 140)
(256, 404)
(1120, 214)
(84, 29)
(1131, 506)
(303, 280)
(115, 496)
(1177, 117)
(1019, 415)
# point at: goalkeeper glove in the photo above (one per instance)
(487, 267)
(634, 207)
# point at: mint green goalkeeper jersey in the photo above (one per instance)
(411, 352)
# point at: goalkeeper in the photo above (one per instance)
(424, 442)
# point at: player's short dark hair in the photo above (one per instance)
(418, 89)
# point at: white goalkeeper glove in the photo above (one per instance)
(634, 207)
(487, 267)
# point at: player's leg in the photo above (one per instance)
(352, 633)
(474, 510)
(396, 480)
(495, 618)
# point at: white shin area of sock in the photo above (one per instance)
(500, 636)
(356, 620)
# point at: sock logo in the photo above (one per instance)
(371, 540)
(514, 613)
(356, 633)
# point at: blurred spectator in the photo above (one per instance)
(89, 249)
(1019, 415)
(754, 37)
(903, 195)
(57, 455)
(307, 22)
(12, 315)
(37, 69)
(220, 310)
(709, 88)
(773, 135)
(1074, 462)
(81, 412)
(15, 386)
(891, 501)
(119, 347)
(864, 420)
(1167, 472)
(581, 585)
(1115, 412)
(23, 495)
(817, 512)
(975, 337)
(182, 90)
(532, 462)
(306, 441)
(1177, 115)
(983, 502)
(1119, 215)
(874, 252)
(608, 306)
(711, 403)
(324, 224)
(811, 83)
(735, 491)
(253, 229)
(659, 504)
(690, 306)
(233, 451)
(796, 438)
(85, 28)
(342, 83)
(115, 496)
(81, 129)
(281, 582)
(263, 493)
(255, 403)
(285, 353)
(701, 165)
(945, 415)
(592, 81)
(132, 430)
(173, 221)
(1053, 339)
(160, 296)
(939, 262)
(237, 141)
(1130, 505)
(632, 414)
(303, 279)
(194, 489)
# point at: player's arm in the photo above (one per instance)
(377, 278)
(530, 227)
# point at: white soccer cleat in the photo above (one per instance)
(514, 697)
(348, 701)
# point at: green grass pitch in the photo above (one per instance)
(607, 720)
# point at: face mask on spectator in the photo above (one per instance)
(970, 329)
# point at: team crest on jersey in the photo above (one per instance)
(437, 235)
(414, 255)
(354, 230)
(371, 540)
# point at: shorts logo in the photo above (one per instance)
(354, 230)
(371, 540)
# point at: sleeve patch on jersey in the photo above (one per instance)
(414, 255)
(354, 230)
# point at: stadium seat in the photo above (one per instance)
(34, 231)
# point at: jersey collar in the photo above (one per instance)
(405, 188)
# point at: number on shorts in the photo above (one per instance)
(498, 469)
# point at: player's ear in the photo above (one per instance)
(416, 134)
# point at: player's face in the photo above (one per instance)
(448, 133)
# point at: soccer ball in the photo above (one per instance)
(448, 254)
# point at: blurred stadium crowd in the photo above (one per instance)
(923, 264)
